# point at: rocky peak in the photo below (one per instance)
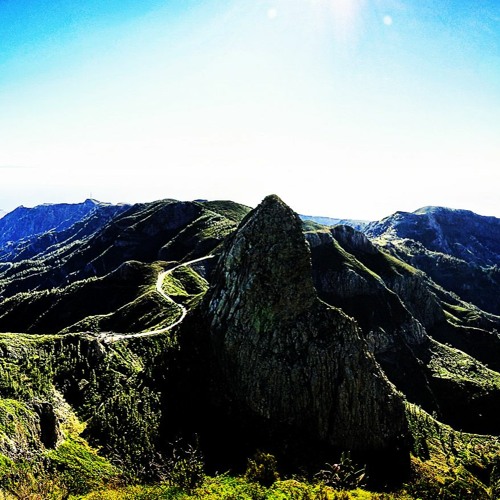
(287, 357)
(268, 258)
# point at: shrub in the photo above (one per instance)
(345, 475)
(185, 466)
(262, 469)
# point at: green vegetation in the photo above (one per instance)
(450, 363)
(184, 284)
(115, 390)
(89, 412)
(41, 453)
(79, 467)
(461, 314)
(233, 211)
(225, 487)
(111, 388)
(185, 480)
(147, 312)
(448, 464)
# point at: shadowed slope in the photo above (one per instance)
(288, 358)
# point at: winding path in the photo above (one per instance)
(108, 337)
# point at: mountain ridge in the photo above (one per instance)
(297, 338)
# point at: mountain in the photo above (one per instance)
(23, 222)
(287, 360)
(172, 328)
(103, 261)
(458, 249)
(329, 221)
(405, 320)
(459, 233)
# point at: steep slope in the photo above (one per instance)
(53, 240)
(100, 274)
(162, 230)
(404, 316)
(39, 430)
(458, 249)
(25, 222)
(286, 359)
(291, 337)
(459, 233)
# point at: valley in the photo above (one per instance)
(160, 343)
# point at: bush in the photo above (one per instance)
(262, 469)
(345, 475)
(185, 466)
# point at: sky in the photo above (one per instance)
(344, 108)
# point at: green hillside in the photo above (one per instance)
(206, 350)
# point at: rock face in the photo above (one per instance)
(289, 358)
(458, 249)
(343, 262)
(50, 431)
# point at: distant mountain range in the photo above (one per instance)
(303, 336)
(329, 221)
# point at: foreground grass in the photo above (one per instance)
(225, 487)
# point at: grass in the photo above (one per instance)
(461, 313)
(233, 211)
(448, 362)
(79, 466)
(18, 426)
(448, 464)
(184, 283)
(227, 487)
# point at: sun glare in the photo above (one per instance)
(345, 15)
(387, 20)
(272, 13)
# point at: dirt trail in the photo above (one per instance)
(109, 337)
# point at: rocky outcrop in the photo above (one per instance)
(417, 295)
(28, 427)
(287, 357)
(50, 431)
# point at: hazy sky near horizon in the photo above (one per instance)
(344, 108)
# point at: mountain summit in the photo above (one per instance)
(289, 358)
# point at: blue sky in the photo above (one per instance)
(348, 108)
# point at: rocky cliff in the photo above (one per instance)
(289, 358)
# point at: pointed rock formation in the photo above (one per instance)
(287, 357)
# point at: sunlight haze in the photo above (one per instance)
(344, 108)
